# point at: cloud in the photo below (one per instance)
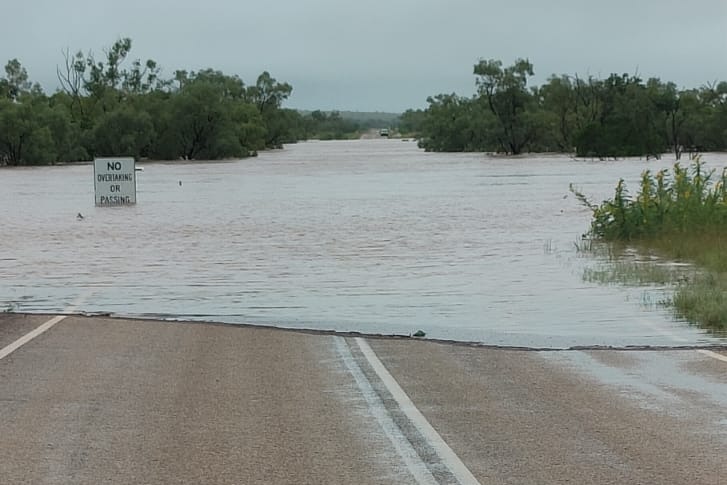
(386, 55)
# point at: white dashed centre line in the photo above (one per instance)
(5, 351)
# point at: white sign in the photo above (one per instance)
(114, 180)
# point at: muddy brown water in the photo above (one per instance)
(371, 235)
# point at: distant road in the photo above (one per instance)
(371, 134)
(98, 400)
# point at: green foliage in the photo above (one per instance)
(116, 106)
(329, 126)
(197, 120)
(681, 215)
(702, 297)
(559, 102)
(124, 130)
(703, 301)
(16, 82)
(505, 91)
(67, 135)
(604, 118)
(268, 96)
(412, 122)
(627, 122)
(25, 138)
(681, 202)
(455, 124)
(340, 125)
(248, 127)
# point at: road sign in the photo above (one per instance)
(114, 180)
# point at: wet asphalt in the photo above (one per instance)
(99, 400)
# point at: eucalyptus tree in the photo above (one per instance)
(559, 100)
(124, 131)
(25, 138)
(16, 82)
(506, 93)
(98, 85)
(669, 107)
(628, 122)
(268, 95)
(455, 124)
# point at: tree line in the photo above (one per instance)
(114, 106)
(618, 116)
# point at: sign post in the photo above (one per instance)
(114, 181)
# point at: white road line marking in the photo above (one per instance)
(708, 353)
(408, 454)
(449, 457)
(713, 355)
(5, 351)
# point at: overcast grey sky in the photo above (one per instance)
(378, 55)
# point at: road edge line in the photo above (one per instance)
(712, 354)
(9, 349)
(448, 456)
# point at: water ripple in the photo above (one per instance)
(371, 236)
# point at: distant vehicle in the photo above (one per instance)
(384, 132)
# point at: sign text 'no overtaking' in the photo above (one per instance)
(114, 181)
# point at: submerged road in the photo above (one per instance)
(98, 400)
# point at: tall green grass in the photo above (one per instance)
(679, 214)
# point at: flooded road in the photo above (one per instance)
(373, 236)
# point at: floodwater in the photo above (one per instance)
(373, 236)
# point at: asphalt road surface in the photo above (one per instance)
(99, 400)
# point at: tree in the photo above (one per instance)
(411, 121)
(509, 100)
(16, 83)
(667, 102)
(323, 126)
(98, 86)
(202, 124)
(72, 80)
(115, 105)
(229, 87)
(456, 124)
(123, 132)
(24, 138)
(268, 95)
(559, 100)
(142, 78)
(181, 77)
(196, 118)
(627, 125)
(66, 135)
(248, 127)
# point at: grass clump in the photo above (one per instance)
(632, 274)
(680, 215)
(703, 300)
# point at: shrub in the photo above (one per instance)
(682, 201)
